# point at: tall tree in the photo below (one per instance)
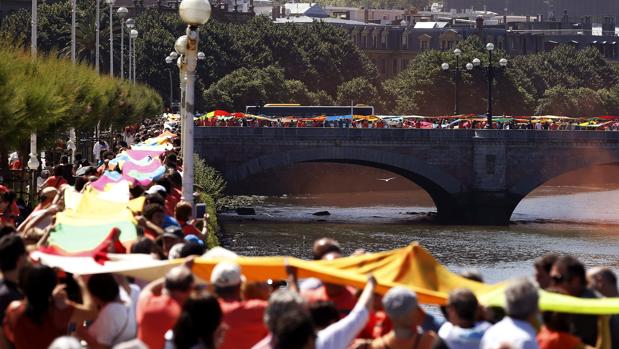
(423, 88)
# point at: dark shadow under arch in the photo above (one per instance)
(525, 186)
(443, 188)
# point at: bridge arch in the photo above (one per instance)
(527, 184)
(443, 188)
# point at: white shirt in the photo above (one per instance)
(131, 299)
(342, 333)
(337, 335)
(463, 338)
(517, 333)
(96, 149)
(114, 324)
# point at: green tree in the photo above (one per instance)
(358, 90)
(576, 102)
(567, 67)
(320, 97)
(298, 93)
(320, 55)
(610, 99)
(245, 87)
(49, 94)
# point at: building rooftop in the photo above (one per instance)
(330, 20)
(430, 25)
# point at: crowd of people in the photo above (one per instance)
(42, 307)
(180, 311)
(548, 123)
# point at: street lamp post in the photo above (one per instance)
(134, 35)
(73, 30)
(171, 88)
(98, 4)
(130, 25)
(456, 76)
(173, 57)
(490, 73)
(194, 13)
(111, 3)
(33, 28)
(122, 13)
(178, 57)
(33, 136)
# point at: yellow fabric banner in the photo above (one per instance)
(411, 266)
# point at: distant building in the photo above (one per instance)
(392, 42)
(594, 8)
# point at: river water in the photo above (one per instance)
(579, 220)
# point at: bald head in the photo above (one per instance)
(325, 245)
(179, 279)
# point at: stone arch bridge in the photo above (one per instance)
(473, 176)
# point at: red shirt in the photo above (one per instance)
(155, 316)
(245, 319)
(20, 330)
(189, 229)
(171, 200)
(12, 211)
(15, 165)
(548, 339)
(55, 182)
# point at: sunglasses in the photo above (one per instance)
(557, 279)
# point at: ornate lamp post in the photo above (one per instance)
(490, 73)
(456, 76)
(174, 57)
(130, 25)
(133, 35)
(194, 13)
(122, 13)
(178, 56)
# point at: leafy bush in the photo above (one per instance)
(207, 180)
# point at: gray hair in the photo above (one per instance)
(280, 302)
(399, 303)
(521, 299)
